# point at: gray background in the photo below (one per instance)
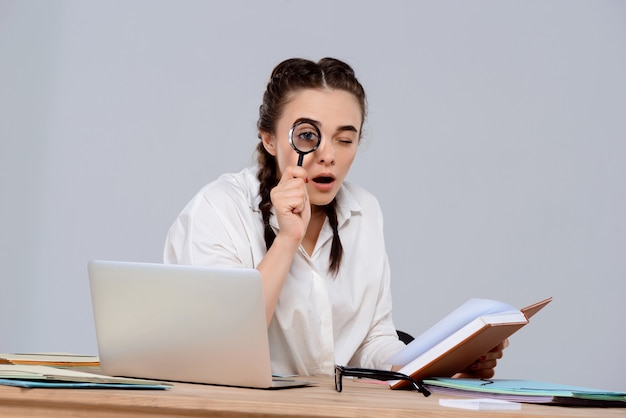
(495, 143)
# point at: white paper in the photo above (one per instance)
(481, 404)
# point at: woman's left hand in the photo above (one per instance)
(483, 367)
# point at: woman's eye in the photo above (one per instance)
(308, 136)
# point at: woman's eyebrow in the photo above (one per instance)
(308, 120)
(347, 128)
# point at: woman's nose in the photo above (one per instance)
(325, 153)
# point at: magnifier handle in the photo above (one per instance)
(300, 158)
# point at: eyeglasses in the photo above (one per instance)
(385, 375)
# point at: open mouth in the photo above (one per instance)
(323, 179)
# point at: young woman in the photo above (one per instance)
(316, 239)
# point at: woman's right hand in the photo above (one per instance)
(291, 202)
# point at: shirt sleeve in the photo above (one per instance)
(382, 340)
(211, 230)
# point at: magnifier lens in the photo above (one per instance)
(304, 137)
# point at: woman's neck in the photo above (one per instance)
(318, 216)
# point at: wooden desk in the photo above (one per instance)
(358, 399)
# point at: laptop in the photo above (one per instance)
(182, 323)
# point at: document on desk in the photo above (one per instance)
(527, 391)
(50, 359)
(481, 404)
(52, 377)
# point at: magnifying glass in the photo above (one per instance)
(304, 137)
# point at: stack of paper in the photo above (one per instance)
(50, 359)
(53, 377)
(528, 391)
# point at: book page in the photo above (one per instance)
(450, 324)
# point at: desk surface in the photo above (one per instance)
(358, 399)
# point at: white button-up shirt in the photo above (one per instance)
(320, 320)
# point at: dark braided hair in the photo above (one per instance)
(289, 77)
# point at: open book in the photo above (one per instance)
(460, 338)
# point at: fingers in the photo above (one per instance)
(289, 198)
(290, 195)
(476, 374)
(484, 366)
(479, 370)
(492, 355)
(504, 344)
(291, 203)
(293, 172)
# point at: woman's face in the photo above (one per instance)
(338, 116)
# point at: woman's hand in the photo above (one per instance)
(291, 202)
(483, 367)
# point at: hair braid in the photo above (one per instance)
(268, 180)
(336, 250)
